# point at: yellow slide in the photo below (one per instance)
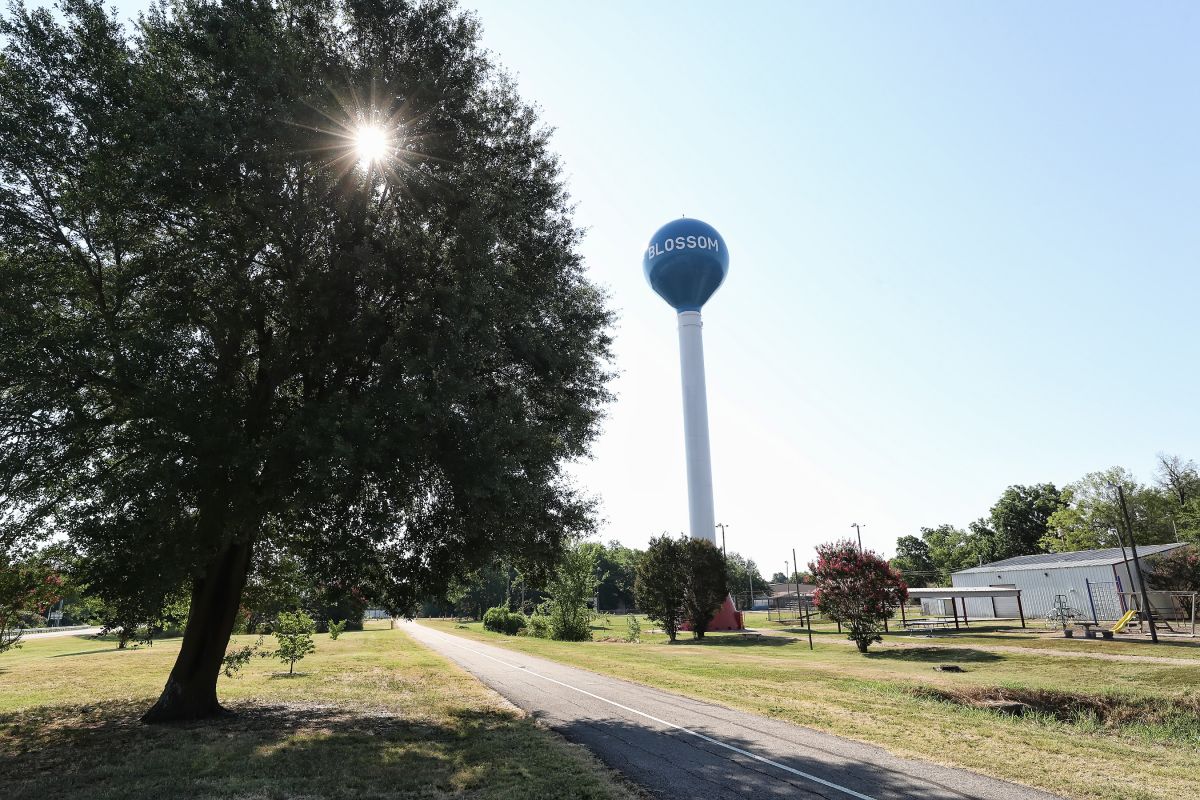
(1123, 621)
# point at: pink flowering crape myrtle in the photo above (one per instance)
(856, 588)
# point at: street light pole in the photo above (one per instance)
(858, 528)
(724, 557)
(749, 586)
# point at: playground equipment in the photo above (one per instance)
(1124, 621)
(1062, 614)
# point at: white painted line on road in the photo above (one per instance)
(457, 643)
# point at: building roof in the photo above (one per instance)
(964, 591)
(778, 590)
(1079, 558)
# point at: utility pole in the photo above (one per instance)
(858, 528)
(796, 575)
(1137, 564)
(805, 614)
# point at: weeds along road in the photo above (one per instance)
(677, 747)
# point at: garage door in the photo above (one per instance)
(1006, 607)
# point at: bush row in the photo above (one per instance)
(546, 623)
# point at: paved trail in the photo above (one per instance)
(55, 634)
(677, 747)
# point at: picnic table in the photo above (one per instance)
(928, 623)
(1090, 629)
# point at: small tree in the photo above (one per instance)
(635, 629)
(857, 589)
(706, 583)
(573, 584)
(661, 583)
(294, 630)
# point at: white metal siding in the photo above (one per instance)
(1038, 588)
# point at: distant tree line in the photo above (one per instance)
(1041, 518)
(675, 582)
(795, 577)
(614, 570)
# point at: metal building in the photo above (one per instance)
(1095, 583)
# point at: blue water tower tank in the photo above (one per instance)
(685, 262)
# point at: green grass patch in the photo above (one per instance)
(373, 715)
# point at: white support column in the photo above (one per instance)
(695, 428)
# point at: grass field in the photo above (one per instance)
(1090, 728)
(371, 715)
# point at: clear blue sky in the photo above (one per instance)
(964, 239)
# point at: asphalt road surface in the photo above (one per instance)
(677, 747)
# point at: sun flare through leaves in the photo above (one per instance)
(371, 144)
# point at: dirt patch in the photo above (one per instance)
(1175, 719)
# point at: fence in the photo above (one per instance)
(789, 608)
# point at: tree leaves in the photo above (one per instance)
(222, 330)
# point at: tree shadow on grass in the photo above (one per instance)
(101, 751)
(734, 640)
(88, 652)
(1039, 637)
(936, 655)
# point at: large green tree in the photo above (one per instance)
(914, 561)
(1178, 480)
(1021, 517)
(1091, 515)
(223, 330)
(950, 549)
(745, 576)
(616, 570)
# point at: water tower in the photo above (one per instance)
(685, 262)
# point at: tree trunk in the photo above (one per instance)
(191, 690)
(862, 645)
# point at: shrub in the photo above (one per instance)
(336, 628)
(539, 626)
(501, 620)
(294, 631)
(570, 626)
(635, 629)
